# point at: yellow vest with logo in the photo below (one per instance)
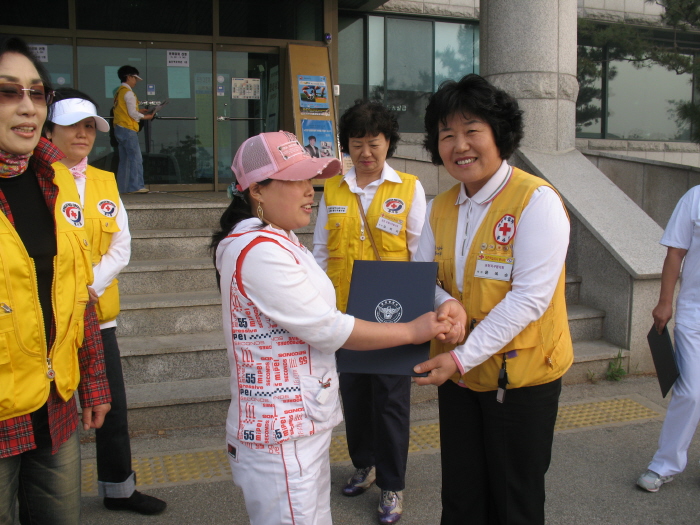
(25, 366)
(101, 207)
(393, 201)
(121, 113)
(543, 350)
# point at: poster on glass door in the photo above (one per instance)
(313, 96)
(245, 88)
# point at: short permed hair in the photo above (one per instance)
(474, 96)
(368, 118)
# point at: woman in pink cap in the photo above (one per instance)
(282, 329)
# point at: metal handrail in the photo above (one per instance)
(176, 118)
(221, 119)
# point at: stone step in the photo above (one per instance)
(204, 402)
(178, 404)
(585, 323)
(169, 313)
(154, 216)
(592, 358)
(153, 354)
(572, 289)
(170, 244)
(198, 402)
(153, 359)
(166, 275)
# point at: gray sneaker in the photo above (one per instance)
(360, 481)
(651, 481)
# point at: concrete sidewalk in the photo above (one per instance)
(596, 461)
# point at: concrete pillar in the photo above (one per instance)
(528, 48)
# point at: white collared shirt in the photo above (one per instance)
(683, 231)
(539, 251)
(414, 221)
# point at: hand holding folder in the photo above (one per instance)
(664, 358)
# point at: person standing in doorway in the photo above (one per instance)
(126, 126)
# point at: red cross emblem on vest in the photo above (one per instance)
(504, 230)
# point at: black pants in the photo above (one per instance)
(495, 455)
(377, 420)
(113, 445)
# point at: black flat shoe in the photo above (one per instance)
(137, 502)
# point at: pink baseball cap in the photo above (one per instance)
(278, 155)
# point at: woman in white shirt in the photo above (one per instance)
(282, 329)
(500, 237)
(72, 126)
(373, 212)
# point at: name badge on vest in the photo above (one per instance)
(496, 267)
(336, 209)
(389, 224)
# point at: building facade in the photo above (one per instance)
(199, 55)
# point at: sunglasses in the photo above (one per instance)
(14, 93)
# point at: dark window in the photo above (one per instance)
(351, 55)
(299, 20)
(620, 100)
(183, 17)
(401, 61)
(52, 15)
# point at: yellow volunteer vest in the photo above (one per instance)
(101, 206)
(392, 201)
(121, 114)
(544, 351)
(24, 364)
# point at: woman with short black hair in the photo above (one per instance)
(372, 212)
(500, 236)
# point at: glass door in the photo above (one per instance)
(247, 101)
(178, 145)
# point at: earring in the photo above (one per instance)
(260, 213)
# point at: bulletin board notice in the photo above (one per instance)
(311, 93)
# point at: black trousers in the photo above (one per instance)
(495, 455)
(112, 440)
(377, 412)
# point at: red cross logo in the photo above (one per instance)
(504, 230)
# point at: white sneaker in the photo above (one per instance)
(651, 481)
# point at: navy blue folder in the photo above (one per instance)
(664, 358)
(389, 292)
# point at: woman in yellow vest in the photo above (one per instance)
(500, 238)
(369, 213)
(49, 341)
(72, 126)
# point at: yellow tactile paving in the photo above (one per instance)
(601, 413)
(213, 464)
